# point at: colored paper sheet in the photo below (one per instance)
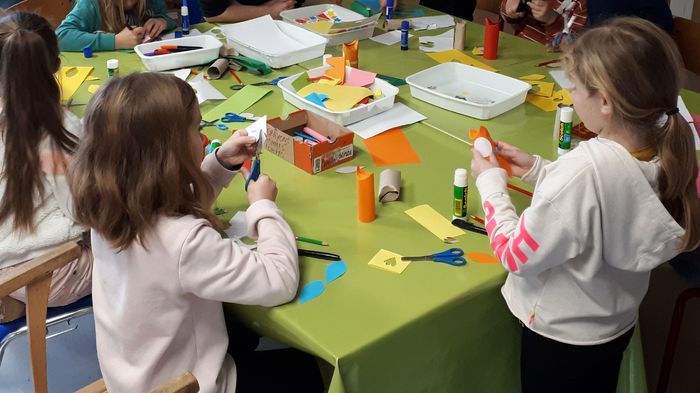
(459, 57)
(317, 99)
(340, 98)
(300, 82)
(240, 101)
(478, 51)
(434, 222)
(320, 26)
(391, 148)
(337, 70)
(70, 79)
(481, 257)
(547, 104)
(366, 211)
(359, 78)
(542, 89)
(388, 261)
(92, 78)
(92, 89)
(399, 115)
(532, 77)
(683, 110)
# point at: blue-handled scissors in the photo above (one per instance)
(231, 117)
(453, 256)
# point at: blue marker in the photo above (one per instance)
(404, 35)
(390, 9)
(185, 18)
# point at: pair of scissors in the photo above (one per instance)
(452, 256)
(231, 117)
(213, 123)
(271, 83)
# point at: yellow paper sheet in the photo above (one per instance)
(547, 104)
(92, 78)
(532, 77)
(340, 98)
(455, 55)
(434, 222)
(70, 79)
(389, 261)
(320, 26)
(566, 98)
(478, 51)
(544, 89)
(93, 88)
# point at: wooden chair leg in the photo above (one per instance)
(37, 302)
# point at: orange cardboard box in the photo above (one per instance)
(312, 159)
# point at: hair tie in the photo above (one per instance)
(672, 111)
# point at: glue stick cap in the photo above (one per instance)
(566, 114)
(460, 177)
(178, 34)
(87, 52)
(112, 64)
(404, 25)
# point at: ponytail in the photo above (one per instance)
(31, 110)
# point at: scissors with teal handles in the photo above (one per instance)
(213, 123)
(231, 117)
(453, 256)
(271, 83)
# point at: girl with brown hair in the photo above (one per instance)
(602, 216)
(37, 138)
(105, 25)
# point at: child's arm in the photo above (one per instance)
(218, 176)
(509, 11)
(81, 28)
(157, 7)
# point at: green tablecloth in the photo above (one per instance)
(434, 328)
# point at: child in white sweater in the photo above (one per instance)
(162, 269)
(602, 216)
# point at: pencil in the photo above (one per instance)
(235, 76)
(520, 190)
(312, 241)
(477, 219)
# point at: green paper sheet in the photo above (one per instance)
(239, 102)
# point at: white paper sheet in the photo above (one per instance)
(432, 22)
(262, 34)
(204, 89)
(171, 35)
(683, 110)
(258, 130)
(390, 38)
(441, 42)
(181, 74)
(399, 115)
(238, 230)
(561, 79)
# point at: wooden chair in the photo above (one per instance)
(686, 33)
(35, 275)
(53, 10)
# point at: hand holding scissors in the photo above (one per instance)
(452, 256)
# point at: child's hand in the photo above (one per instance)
(511, 9)
(274, 7)
(520, 162)
(238, 148)
(263, 188)
(542, 11)
(480, 164)
(128, 39)
(154, 26)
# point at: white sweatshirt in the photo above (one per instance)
(158, 311)
(580, 256)
(53, 218)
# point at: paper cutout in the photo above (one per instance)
(92, 89)
(182, 74)
(329, 81)
(481, 257)
(434, 222)
(545, 103)
(399, 115)
(300, 82)
(359, 78)
(70, 79)
(561, 79)
(390, 38)
(203, 89)
(365, 196)
(459, 57)
(340, 98)
(437, 43)
(391, 148)
(320, 26)
(258, 130)
(478, 51)
(240, 101)
(310, 291)
(432, 22)
(483, 132)
(317, 99)
(238, 231)
(335, 270)
(532, 77)
(348, 169)
(543, 89)
(92, 78)
(491, 32)
(337, 70)
(389, 261)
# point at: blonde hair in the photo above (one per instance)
(136, 161)
(115, 18)
(639, 67)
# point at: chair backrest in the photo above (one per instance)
(686, 33)
(183, 383)
(53, 10)
(35, 275)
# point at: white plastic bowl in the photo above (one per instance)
(344, 14)
(468, 90)
(340, 117)
(208, 53)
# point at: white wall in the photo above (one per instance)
(683, 8)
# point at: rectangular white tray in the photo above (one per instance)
(468, 90)
(344, 14)
(208, 53)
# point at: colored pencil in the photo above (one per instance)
(312, 241)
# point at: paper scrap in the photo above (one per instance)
(239, 102)
(359, 78)
(388, 261)
(204, 90)
(320, 26)
(181, 74)
(391, 148)
(340, 98)
(543, 89)
(70, 79)
(300, 82)
(478, 51)
(561, 79)
(437, 43)
(390, 38)
(432, 22)
(459, 57)
(348, 169)
(481, 257)
(547, 104)
(238, 231)
(317, 99)
(532, 77)
(92, 78)
(683, 110)
(434, 222)
(258, 130)
(263, 34)
(92, 89)
(337, 70)
(399, 115)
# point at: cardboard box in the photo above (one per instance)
(312, 159)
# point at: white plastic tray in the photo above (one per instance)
(305, 45)
(344, 117)
(468, 90)
(344, 14)
(209, 53)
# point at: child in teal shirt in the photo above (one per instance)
(107, 25)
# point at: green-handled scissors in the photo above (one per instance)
(271, 82)
(453, 256)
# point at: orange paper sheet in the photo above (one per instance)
(365, 196)
(481, 257)
(391, 148)
(337, 70)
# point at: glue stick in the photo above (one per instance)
(460, 189)
(404, 35)
(565, 124)
(185, 18)
(112, 67)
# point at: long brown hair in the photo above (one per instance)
(115, 18)
(638, 65)
(31, 110)
(136, 162)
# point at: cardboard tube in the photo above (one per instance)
(490, 40)
(365, 196)
(389, 185)
(395, 24)
(218, 69)
(350, 52)
(460, 32)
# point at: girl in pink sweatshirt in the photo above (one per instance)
(162, 270)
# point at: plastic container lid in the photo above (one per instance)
(567, 114)
(460, 177)
(112, 63)
(184, 10)
(404, 25)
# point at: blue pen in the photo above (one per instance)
(185, 18)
